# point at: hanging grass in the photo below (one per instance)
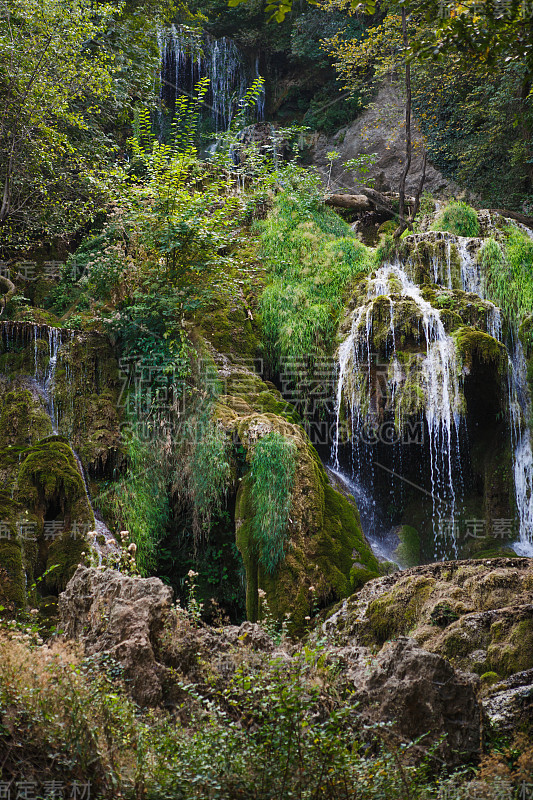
(203, 475)
(508, 272)
(272, 470)
(139, 501)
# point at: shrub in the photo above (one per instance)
(459, 218)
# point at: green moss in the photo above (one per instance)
(86, 391)
(23, 420)
(511, 647)
(49, 473)
(396, 612)
(359, 576)
(490, 678)
(243, 536)
(64, 555)
(494, 552)
(473, 344)
(408, 551)
(388, 227)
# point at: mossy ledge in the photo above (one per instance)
(477, 614)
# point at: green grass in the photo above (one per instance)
(459, 218)
(272, 468)
(313, 258)
(508, 272)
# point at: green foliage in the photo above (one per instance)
(459, 218)
(51, 78)
(275, 727)
(508, 272)
(313, 258)
(272, 469)
(475, 126)
(138, 501)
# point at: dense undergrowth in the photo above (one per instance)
(275, 728)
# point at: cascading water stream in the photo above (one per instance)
(186, 58)
(15, 335)
(520, 414)
(439, 383)
(519, 402)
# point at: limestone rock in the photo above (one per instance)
(510, 704)
(423, 696)
(459, 610)
(123, 616)
(380, 129)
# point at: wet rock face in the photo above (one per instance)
(422, 695)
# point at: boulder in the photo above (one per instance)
(122, 616)
(380, 129)
(423, 697)
(478, 613)
(509, 706)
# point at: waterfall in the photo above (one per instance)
(520, 413)
(187, 57)
(472, 280)
(438, 378)
(16, 336)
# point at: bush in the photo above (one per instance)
(459, 218)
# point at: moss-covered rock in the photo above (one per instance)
(90, 402)
(50, 485)
(23, 418)
(325, 547)
(475, 345)
(477, 614)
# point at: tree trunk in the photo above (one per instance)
(352, 202)
(408, 146)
